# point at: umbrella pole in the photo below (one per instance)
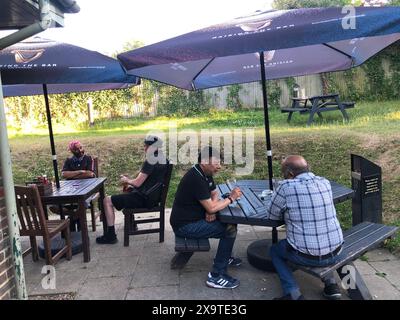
(266, 119)
(53, 148)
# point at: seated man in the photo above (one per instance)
(143, 190)
(313, 234)
(194, 215)
(79, 166)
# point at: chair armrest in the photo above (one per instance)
(153, 189)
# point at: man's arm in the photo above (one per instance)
(277, 206)
(213, 206)
(137, 182)
(214, 195)
(78, 174)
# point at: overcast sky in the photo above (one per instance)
(105, 25)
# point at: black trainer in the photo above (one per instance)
(235, 262)
(332, 292)
(107, 239)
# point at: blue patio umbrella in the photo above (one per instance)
(267, 45)
(41, 66)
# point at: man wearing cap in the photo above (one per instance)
(80, 165)
(313, 234)
(149, 180)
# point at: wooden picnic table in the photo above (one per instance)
(76, 192)
(251, 210)
(316, 105)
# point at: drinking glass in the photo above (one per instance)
(232, 184)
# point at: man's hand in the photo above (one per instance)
(211, 217)
(235, 193)
(124, 180)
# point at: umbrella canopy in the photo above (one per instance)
(18, 90)
(38, 61)
(267, 45)
(42, 66)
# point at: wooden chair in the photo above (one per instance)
(33, 223)
(129, 214)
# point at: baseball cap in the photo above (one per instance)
(150, 140)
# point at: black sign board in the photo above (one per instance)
(366, 180)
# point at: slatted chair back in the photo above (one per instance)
(130, 223)
(30, 211)
(166, 183)
(96, 166)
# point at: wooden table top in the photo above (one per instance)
(251, 209)
(76, 189)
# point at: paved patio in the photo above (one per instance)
(142, 271)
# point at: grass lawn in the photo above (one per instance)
(372, 132)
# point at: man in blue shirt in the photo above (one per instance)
(313, 233)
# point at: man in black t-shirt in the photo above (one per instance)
(142, 191)
(80, 165)
(194, 215)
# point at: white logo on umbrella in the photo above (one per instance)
(26, 56)
(254, 26)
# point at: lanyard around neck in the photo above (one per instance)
(200, 173)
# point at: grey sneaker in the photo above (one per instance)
(222, 282)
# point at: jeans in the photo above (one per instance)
(216, 229)
(280, 254)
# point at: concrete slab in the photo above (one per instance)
(364, 268)
(153, 275)
(380, 288)
(114, 267)
(157, 255)
(246, 233)
(65, 281)
(104, 289)
(391, 269)
(142, 271)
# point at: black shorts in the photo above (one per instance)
(129, 200)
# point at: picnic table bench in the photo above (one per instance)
(250, 210)
(316, 105)
(357, 241)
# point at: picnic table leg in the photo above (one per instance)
(289, 116)
(311, 117)
(320, 115)
(84, 230)
(350, 276)
(314, 109)
(342, 109)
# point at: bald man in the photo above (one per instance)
(313, 233)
